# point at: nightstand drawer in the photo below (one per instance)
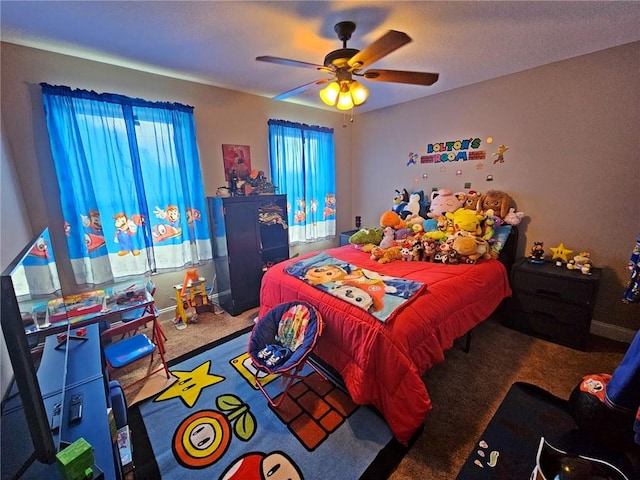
(574, 315)
(564, 323)
(556, 282)
(549, 327)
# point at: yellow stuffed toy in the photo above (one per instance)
(465, 220)
(473, 248)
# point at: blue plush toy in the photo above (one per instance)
(400, 200)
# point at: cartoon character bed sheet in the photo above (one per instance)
(382, 363)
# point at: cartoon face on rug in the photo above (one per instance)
(366, 296)
(261, 466)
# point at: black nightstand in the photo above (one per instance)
(552, 302)
(344, 237)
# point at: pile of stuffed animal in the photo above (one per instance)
(461, 227)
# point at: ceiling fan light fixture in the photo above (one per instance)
(345, 102)
(359, 93)
(329, 94)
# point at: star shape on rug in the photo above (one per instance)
(190, 384)
(561, 252)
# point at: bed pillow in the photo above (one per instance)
(499, 238)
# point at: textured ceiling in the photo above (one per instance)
(216, 42)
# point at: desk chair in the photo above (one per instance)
(140, 312)
(128, 346)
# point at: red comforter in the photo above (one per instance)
(382, 363)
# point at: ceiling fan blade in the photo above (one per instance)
(291, 63)
(390, 41)
(301, 89)
(401, 76)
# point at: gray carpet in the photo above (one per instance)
(466, 389)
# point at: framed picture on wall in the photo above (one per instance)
(238, 158)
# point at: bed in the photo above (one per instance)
(381, 363)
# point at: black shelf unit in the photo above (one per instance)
(249, 234)
(553, 303)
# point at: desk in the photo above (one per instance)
(100, 305)
(85, 376)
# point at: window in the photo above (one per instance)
(130, 184)
(302, 159)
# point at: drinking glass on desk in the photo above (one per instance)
(41, 319)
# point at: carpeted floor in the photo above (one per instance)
(466, 389)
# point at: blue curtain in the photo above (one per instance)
(130, 183)
(302, 160)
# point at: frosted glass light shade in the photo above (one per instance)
(359, 93)
(329, 94)
(345, 101)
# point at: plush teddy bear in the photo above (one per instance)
(471, 200)
(496, 200)
(442, 201)
(473, 248)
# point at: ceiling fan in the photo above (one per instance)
(345, 63)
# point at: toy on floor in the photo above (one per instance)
(191, 299)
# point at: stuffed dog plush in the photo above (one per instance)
(496, 200)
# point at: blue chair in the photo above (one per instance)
(139, 312)
(281, 342)
(132, 346)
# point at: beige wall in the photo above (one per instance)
(572, 129)
(222, 116)
(573, 164)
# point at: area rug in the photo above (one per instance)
(213, 423)
(507, 448)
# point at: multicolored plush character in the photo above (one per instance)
(400, 200)
(489, 226)
(582, 262)
(631, 293)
